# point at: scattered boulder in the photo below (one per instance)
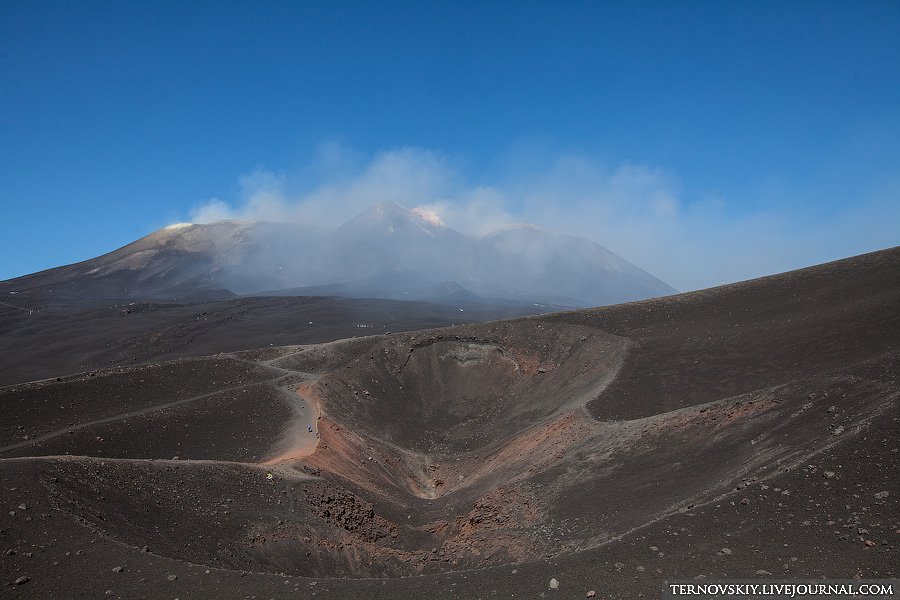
(172, 577)
(22, 580)
(554, 584)
(591, 594)
(882, 495)
(117, 569)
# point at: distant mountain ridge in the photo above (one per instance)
(387, 251)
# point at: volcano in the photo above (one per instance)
(387, 252)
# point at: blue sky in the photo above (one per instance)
(705, 141)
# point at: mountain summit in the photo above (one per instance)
(391, 219)
(387, 251)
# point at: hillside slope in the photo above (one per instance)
(749, 430)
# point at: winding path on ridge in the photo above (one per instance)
(304, 407)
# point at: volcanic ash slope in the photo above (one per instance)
(568, 445)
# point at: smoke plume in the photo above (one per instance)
(638, 211)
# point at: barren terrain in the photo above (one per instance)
(749, 430)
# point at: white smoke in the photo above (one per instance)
(638, 211)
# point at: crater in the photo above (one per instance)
(449, 450)
(449, 395)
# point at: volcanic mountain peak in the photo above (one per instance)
(176, 226)
(428, 216)
(518, 263)
(391, 219)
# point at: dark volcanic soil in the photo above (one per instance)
(45, 335)
(743, 431)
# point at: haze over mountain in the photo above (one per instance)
(387, 251)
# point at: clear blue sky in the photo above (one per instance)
(117, 118)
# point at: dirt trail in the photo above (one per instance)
(301, 445)
(7, 304)
(292, 474)
(133, 413)
(304, 439)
